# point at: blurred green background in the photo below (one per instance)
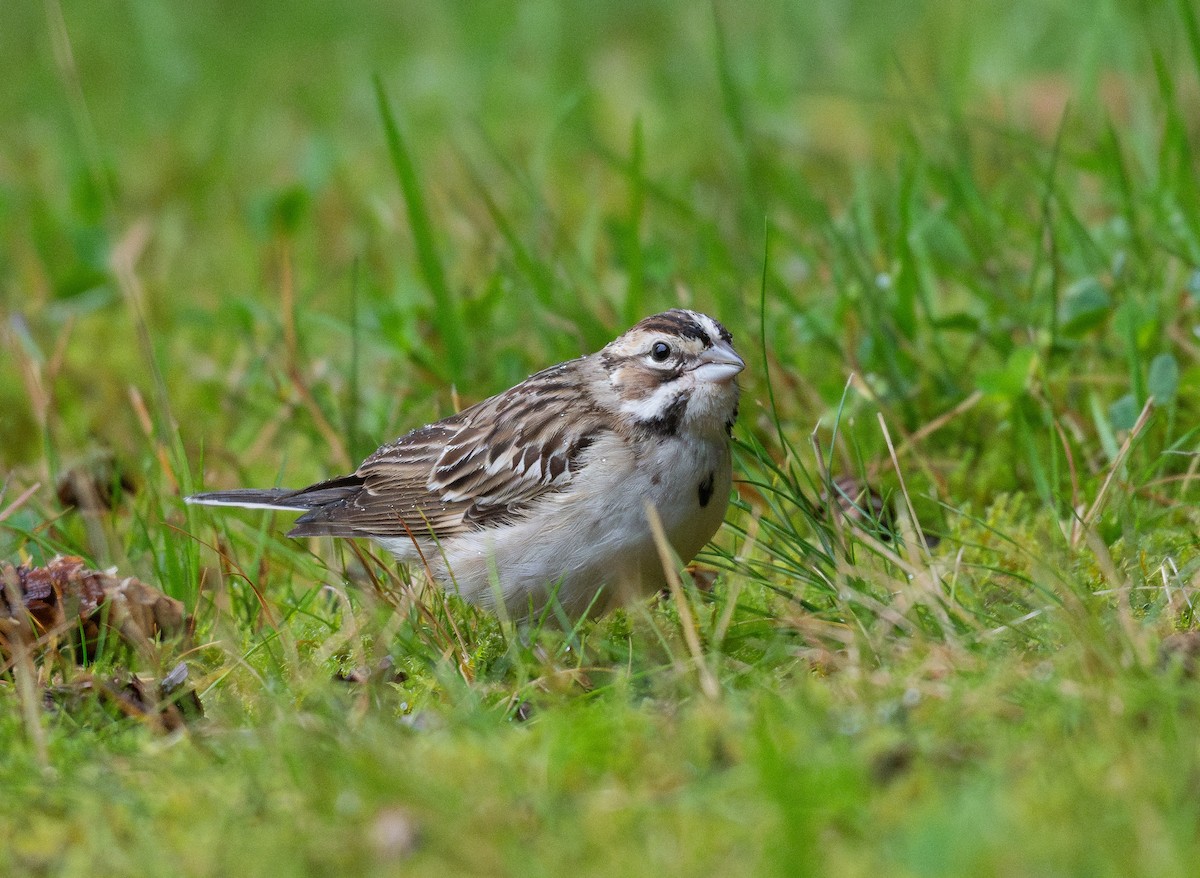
(581, 163)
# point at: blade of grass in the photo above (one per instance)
(708, 681)
(447, 315)
(1114, 470)
(353, 415)
(1191, 27)
(635, 262)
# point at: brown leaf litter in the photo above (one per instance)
(65, 610)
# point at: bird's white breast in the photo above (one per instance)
(592, 538)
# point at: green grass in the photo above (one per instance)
(960, 247)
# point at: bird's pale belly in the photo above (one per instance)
(590, 547)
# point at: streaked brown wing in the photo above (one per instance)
(484, 465)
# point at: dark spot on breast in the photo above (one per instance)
(706, 489)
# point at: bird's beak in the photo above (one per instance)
(719, 363)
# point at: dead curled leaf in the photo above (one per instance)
(66, 607)
(65, 598)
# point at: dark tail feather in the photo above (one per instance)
(302, 500)
(250, 498)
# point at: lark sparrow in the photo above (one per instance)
(543, 489)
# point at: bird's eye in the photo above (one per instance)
(659, 351)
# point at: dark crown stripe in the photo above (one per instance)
(678, 323)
